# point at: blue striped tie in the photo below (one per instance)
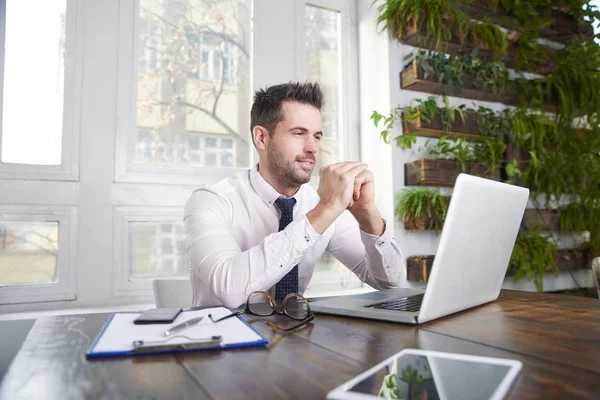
(289, 283)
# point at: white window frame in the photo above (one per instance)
(126, 111)
(64, 289)
(349, 123)
(122, 216)
(328, 281)
(68, 170)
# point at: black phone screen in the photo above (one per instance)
(158, 316)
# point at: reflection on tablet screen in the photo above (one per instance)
(430, 377)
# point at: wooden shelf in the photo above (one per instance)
(412, 36)
(412, 78)
(562, 29)
(547, 220)
(418, 268)
(435, 128)
(432, 172)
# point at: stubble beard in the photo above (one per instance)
(285, 172)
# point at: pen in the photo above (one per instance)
(139, 346)
(182, 326)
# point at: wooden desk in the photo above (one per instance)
(556, 337)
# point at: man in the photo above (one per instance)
(266, 228)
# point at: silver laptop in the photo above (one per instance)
(475, 246)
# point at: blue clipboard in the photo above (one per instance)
(119, 335)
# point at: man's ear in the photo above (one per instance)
(259, 134)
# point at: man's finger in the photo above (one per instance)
(357, 186)
(348, 166)
(360, 180)
(357, 169)
(365, 176)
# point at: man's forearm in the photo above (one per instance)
(321, 217)
(370, 221)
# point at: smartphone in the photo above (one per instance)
(158, 316)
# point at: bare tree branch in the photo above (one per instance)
(218, 120)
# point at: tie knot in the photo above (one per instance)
(286, 205)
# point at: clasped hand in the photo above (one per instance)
(347, 185)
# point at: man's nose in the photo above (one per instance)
(311, 145)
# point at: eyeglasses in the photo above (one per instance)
(294, 306)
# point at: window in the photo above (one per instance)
(324, 59)
(39, 112)
(23, 78)
(157, 249)
(28, 252)
(149, 243)
(36, 249)
(211, 57)
(331, 60)
(211, 151)
(149, 38)
(193, 76)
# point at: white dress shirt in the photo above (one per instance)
(234, 247)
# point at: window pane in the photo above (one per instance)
(28, 252)
(157, 251)
(323, 48)
(193, 77)
(330, 274)
(33, 81)
(226, 159)
(211, 142)
(210, 159)
(194, 142)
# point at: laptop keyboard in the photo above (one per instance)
(409, 303)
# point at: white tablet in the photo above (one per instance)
(423, 374)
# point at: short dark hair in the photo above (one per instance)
(266, 109)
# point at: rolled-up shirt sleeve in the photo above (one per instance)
(376, 260)
(219, 265)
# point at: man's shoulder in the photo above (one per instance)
(221, 192)
(228, 186)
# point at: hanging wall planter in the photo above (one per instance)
(418, 268)
(432, 172)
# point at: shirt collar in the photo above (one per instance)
(262, 187)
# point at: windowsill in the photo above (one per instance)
(75, 311)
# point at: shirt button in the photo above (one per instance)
(281, 266)
(307, 239)
(381, 243)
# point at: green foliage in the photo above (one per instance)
(388, 122)
(440, 20)
(495, 125)
(532, 256)
(488, 152)
(554, 133)
(576, 216)
(451, 69)
(414, 204)
(453, 148)
(424, 109)
(411, 375)
(405, 141)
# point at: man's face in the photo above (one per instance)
(292, 148)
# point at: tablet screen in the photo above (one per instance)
(419, 374)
